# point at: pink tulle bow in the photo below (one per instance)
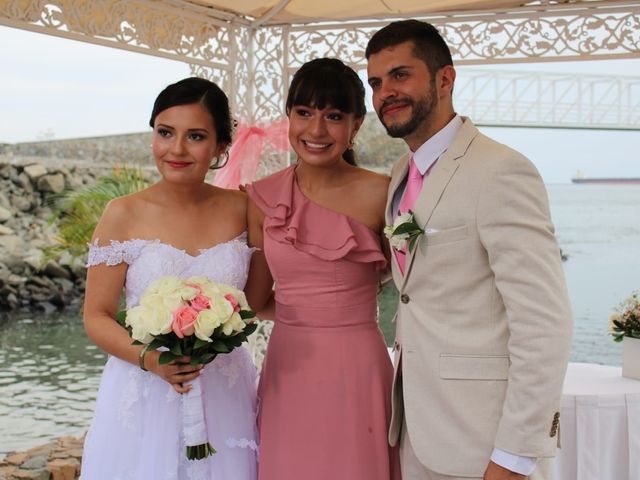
(244, 156)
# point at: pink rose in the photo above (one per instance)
(200, 302)
(234, 303)
(183, 321)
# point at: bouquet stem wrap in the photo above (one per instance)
(194, 425)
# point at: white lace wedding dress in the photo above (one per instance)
(136, 433)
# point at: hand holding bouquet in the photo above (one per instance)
(197, 318)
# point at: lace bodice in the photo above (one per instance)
(148, 260)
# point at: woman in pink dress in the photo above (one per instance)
(325, 386)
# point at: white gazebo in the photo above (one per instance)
(251, 47)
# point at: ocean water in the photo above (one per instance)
(50, 371)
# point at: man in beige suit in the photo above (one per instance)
(483, 323)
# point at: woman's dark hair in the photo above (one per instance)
(428, 44)
(327, 82)
(197, 90)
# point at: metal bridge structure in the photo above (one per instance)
(508, 98)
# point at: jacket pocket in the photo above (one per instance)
(474, 367)
(447, 235)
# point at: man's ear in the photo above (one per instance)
(445, 78)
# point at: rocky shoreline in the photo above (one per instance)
(28, 281)
(32, 174)
(56, 460)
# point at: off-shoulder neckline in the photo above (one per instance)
(201, 251)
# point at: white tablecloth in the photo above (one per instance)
(599, 425)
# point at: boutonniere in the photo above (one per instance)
(404, 232)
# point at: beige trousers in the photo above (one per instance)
(412, 469)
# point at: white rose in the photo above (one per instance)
(206, 323)
(404, 218)
(165, 285)
(388, 231)
(233, 325)
(136, 319)
(171, 301)
(399, 242)
(159, 320)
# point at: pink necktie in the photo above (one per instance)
(411, 192)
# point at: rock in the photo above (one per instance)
(36, 462)
(16, 280)
(33, 257)
(51, 183)
(42, 282)
(5, 230)
(22, 204)
(25, 182)
(64, 285)
(11, 243)
(63, 469)
(35, 171)
(7, 471)
(4, 201)
(5, 214)
(16, 458)
(52, 269)
(31, 475)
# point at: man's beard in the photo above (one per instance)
(420, 111)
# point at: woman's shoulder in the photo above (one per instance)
(372, 181)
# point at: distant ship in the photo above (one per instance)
(579, 178)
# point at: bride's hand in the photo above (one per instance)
(176, 372)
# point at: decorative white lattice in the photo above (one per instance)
(253, 64)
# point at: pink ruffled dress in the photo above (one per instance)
(324, 393)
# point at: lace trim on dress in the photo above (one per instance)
(242, 443)
(115, 253)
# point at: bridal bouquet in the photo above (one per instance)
(197, 318)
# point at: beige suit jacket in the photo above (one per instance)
(484, 322)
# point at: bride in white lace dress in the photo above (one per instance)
(184, 227)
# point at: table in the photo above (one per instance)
(599, 425)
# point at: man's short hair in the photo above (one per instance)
(428, 44)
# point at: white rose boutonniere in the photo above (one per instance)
(404, 232)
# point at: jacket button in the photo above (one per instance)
(404, 298)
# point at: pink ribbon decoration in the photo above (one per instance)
(244, 155)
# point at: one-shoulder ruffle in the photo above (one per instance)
(292, 218)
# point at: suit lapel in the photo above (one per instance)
(436, 182)
(397, 176)
(398, 173)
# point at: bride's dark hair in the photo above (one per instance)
(197, 90)
(327, 82)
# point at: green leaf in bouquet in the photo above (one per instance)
(121, 317)
(220, 346)
(176, 349)
(137, 342)
(250, 328)
(166, 357)
(207, 358)
(156, 343)
(200, 343)
(244, 314)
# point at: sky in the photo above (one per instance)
(52, 87)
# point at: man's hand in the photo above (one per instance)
(496, 472)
